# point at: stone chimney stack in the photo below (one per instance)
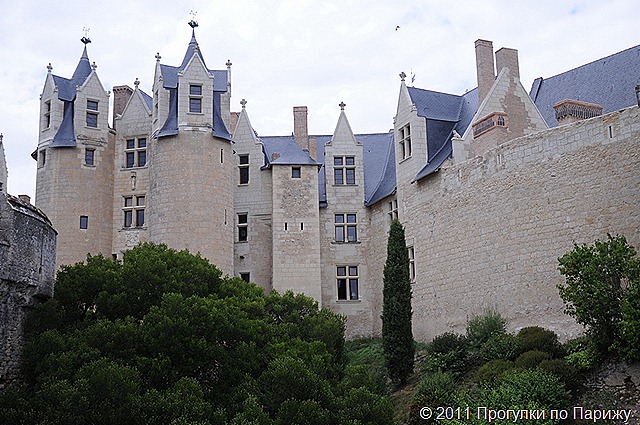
(121, 95)
(300, 130)
(508, 58)
(484, 68)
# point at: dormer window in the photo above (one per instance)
(195, 98)
(405, 141)
(47, 114)
(92, 113)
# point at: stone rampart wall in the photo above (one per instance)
(487, 232)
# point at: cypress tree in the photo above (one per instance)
(397, 336)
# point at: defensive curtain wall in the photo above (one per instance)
(488, 232)
(27, 268)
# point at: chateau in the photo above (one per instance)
(491, 185)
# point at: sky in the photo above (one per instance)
(293, 52)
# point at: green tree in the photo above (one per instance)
(397, 336)
(599, 289)
(164, 338)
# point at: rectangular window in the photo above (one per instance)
(135, 153)
(47, 114)
(243, 227)
(42, 158)
(347, 282)
(134, 214)
(195, 98)
(405, 141)
(84, 222)
(412, 264)
(296, 172)
(344, 170)
(246, 277)
(89, 156)
(92, 113)
(346, 228)
(393, 210)
(243, 168)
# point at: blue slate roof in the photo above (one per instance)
(609, 82)
(148, 100)
(170, 82)
(284, 150)
(444, 113)
(66, 135)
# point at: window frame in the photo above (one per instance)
(84, 222)
(393, 210)
(134, 148)
(296, 172)
(344, 170)
(406, 147)
(243, 227)
(347, 282)
(92, 113)
(412, 263)
(345, 227)
(90, 157)
(243, 169)
(134, 214)
(195, 99)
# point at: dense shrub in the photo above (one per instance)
(435, 389)
(527, 388)
(629, 344)
(493, 370)
(541, 339)
(447, 353)
(581, 353)
(482, 327)
(502, 346)
(531, 359)
(563, 370)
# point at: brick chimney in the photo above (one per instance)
(300, 130)
(484, 68)
(121, 95)
(508, 58)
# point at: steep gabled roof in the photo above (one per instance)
(284, 150)
(609, 82)
(444, 114)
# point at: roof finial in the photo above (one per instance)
(342, 105)
(136, 82)
(402, 76)
(228, 63)
(94, 66)
(243, 103)
(193, 24)
(1, 137)
(158, 57)
(86, 40)
(49, 67)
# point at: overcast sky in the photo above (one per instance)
(293, 52)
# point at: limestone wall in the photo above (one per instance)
(487, 232)
(27, 268)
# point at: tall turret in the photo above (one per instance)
(190, 159)
(75, 161)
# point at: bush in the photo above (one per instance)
(447, 353)
(563, 370)
(435, 389)
(629, 345)
(582, 354)
(528, 389)
(541, 339)
(493, 370)
(503, 346)
(531, 359)
(481, 328)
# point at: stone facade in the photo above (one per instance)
(27, 268)
(487, 212)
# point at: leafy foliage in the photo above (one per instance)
(397, 335)
(531, 359)
(481, 328)
(600, 280)
(502, 346)
(448, 353)
(563, 370)
(538, 338)
(435, 389)
(493, 370)
(163, 338)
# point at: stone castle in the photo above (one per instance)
(491, 185)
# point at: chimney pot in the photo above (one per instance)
(508, 58)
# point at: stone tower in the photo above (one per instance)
(190, 159)
(74, 182)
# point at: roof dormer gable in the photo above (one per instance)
(343, 133)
